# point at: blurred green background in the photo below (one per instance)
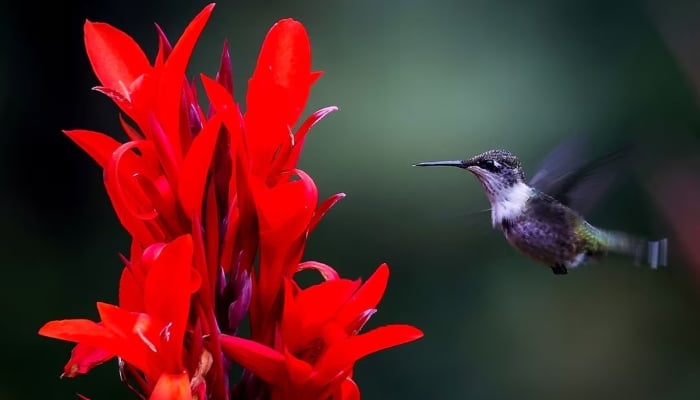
(415, 80)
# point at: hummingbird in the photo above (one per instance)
(545, 225)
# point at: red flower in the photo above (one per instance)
(152, 340)
(319, 340)
(219, 217)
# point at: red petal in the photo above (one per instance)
(134, 336)
(117, 320)
(166, 145)
(299, 371)
(164, 47)
(100, 335)
(98, 145)
(83, 358)
(224, 76)
(159, 194)
(73, 329)
(130, 291)
(120, 99)
(300, 136)
(265, 363)
(348, 390)
(172, 386)
(127, 197)
(366, 298)
(344, 354)
(326, 271)
(195, 168)
(151, 253)
(220, 98)
(130, 130)
(323, 209)
(284, 69)
(173, 76)
(115, 57)
(313, 307)
(291, 217)
(167, 292)
(278, 90)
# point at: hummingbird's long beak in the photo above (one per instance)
(454, 163)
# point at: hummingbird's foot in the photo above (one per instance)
(559, 270)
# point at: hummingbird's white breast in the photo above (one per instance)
(507, 202)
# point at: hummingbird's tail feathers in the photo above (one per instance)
(657, 253)
(653, 253)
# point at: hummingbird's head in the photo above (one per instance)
(498, 171)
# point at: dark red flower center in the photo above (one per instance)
(312, 351)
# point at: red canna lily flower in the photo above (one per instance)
(319, 339)
(151, 340)
(219, 215)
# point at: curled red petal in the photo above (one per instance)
(115, 57)
(264, 362)
(128, 200)
(326, 271)
(98, 145)
(300, 135)
(172, 386)
(323, 208)
(159, 194)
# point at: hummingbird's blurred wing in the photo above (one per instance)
(572, 176)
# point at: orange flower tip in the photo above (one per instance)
(172, 386)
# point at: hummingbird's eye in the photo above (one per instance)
(489, 165)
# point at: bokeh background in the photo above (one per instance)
(415, 80)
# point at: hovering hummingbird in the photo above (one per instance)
(540, 219)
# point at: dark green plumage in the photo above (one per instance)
(554, 234)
